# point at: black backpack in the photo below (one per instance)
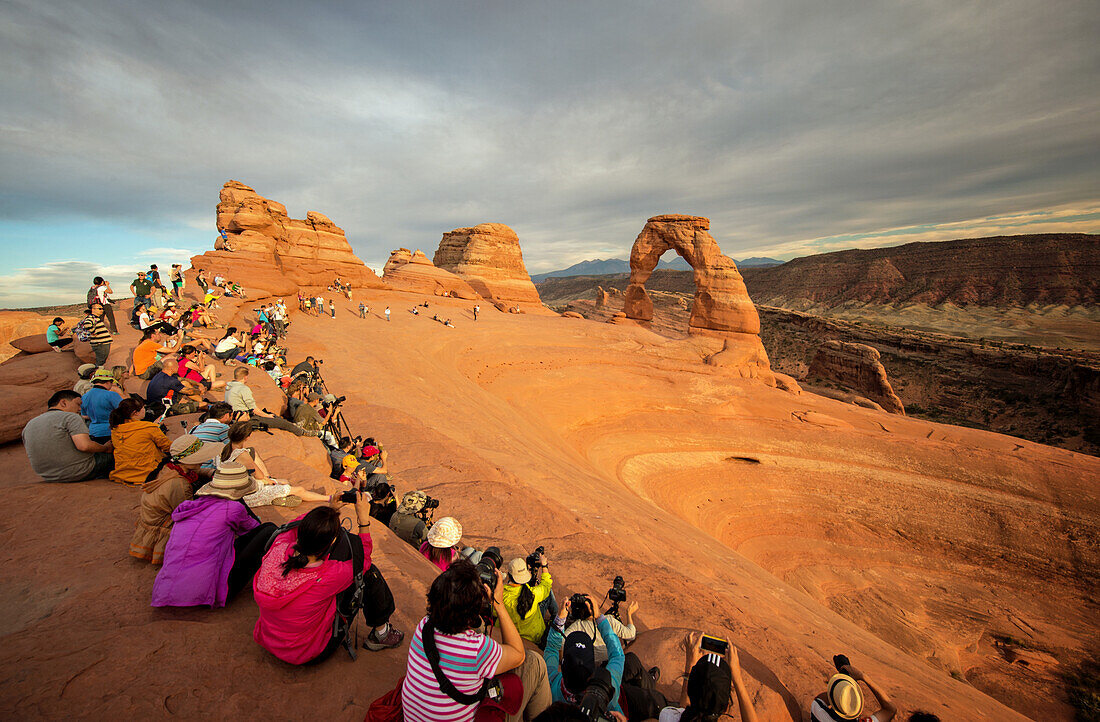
(348, 547)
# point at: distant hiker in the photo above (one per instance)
(387, 313)
(177, 279)
(415, 311)
(141, 287)
(57, 336)
(59, 446)
(94, 331)
(332, 307)
(477, 308)
(844, 698)
(362, 310)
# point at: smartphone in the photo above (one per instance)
(714, 644)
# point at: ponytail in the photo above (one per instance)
(525, 602)
(317, 532)
(297, 560)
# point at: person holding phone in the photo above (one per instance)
(708, 675)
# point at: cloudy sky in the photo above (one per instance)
(796, 127)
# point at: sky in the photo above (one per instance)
(796, 127)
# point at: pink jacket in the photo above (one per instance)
(296, 611)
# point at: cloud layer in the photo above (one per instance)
(571, 122)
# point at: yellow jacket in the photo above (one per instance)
(533, 626)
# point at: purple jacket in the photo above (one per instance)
(200, 552)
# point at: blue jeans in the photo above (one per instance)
(142, 301)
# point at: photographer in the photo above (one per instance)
(442, 548)
(302, 580)
(570, 672)
(457, 602)
(705, 695)
(625, 632)
(409, 521)
(523, 600)
(844, 698)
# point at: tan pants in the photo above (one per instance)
(536, 688)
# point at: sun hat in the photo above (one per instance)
(190, 449)
(413, 501)
(231, 481)
(845, 696)
(709, 684)
(445, 533)
(84, 370)
(103, 375)
(517, 569)
(578, 661)
(329, 398)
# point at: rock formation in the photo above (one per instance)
(275, 254)
(721, 306)
(488, 257)
(858, 367)
(601, 297)
(407, 271)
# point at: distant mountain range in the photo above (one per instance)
(604, 267)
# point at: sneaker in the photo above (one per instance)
(290, 500)
(389, 641)
(655, 673)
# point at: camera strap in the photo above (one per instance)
(431, 651)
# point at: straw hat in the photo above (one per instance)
(845, 696)
(445, 533)
(231, 481)
(517, 569)
(190, 449)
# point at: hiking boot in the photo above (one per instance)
(391, 639)
(655, 673)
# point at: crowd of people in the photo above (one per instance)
(311, 578)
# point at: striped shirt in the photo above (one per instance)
(97, 330)
(468, 659)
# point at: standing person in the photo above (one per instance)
(387, 313)
(332, 307)
(362, 310)
(57, 336)
(141, 287)
(98, 336)
(59, 446)
(98, 403)
(200, 278)
(178, 280)
(100, 292)
(476, 309)
(158, 285)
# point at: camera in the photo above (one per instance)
(579, 607)
(487, 567)
(433, 504)
(338, 400)
(319, 361)
(349, 496)
(617, 592)
(597, 696)
(534, 563)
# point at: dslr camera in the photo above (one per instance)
(597, 696)
(615, 595)
(491, 560)
(579, 607)
(534, 563)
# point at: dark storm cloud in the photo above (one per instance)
(572, 122)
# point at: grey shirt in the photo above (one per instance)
(409, 527)
(49, 444)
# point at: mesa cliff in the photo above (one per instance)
(488, 257)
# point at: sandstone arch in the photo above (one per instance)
(721, 307)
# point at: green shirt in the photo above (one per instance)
(142, 286)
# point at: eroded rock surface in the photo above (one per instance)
(488, 257)
(412, 271)
(858, 367)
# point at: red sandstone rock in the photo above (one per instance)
(32, 344)
(489, 258)
(601, 297)
(26, 383)
(571, 314)
(856, 366)
(407, 271)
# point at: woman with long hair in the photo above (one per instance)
(140, 446)
(271, 491)
(522, 600)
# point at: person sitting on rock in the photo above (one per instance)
(523, 600)
(229, 346)
(410, 520)
(441, 547)
(84, 378)
(306, 415)
(98, 403)
(843, 700)
(306, 568)
(59, 446)
(183, 397)
(571, 670)
(177, 481)
(145, 364)
(271, 491)
(456, 601)
(705, 693)
(625, 632)
(140, 445)
(57, 336)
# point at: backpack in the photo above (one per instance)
(81, 331)
(349, 601)
(93, 295)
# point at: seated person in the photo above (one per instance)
(145, 364)
(176, 482)
(270, 491)
(625, 632)
(441, 547)
(705, 694)
(336, 457)
(215, 547)
(238, 394)
(59, 446)
(184, 397)
(229, 346)
(523, 600)
(140, 445)
(84, 383)
(192, 368)
(302, 574)
(98, 403)
(844, 699)
(57, 336)
(569, 672)
(307, 416)
(409, 522)
(383, 504)
(456, 601)
(214, 426)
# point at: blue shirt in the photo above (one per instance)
(212, 430)
(615, 660)
(97, 405)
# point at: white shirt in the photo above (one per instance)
(226, 344)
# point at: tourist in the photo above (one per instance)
(456, 601)
(237, 393)
(705, 693)
(100, 293)
(302, 575)
(57, 336)
(844, 697)
(144, 319)
(409, 523)
(158, 286)
(84, 374)
(141, 287)
(176, 482)
(387, 313)
(477, 309)
(200, 279)
(229, 345)
(145, 364)
(215, 548)
(625, 632)
(307, 415)
(191, 368)
(215, 426)
(271, 491)
(59, 446)
(441, 547)
(98, 403)
(178, 281)
(97, 334)
(362, 310)
(523, 600)
(184, 396)
(140, 446)
(332, 307)
(570, 671)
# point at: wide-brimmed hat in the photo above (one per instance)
(845, 696)
(83, 370)
(445, 533)
(517, 569)
(231, 481)
(413, 501)
(103, 375)
(709, 684)
(190, 449)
